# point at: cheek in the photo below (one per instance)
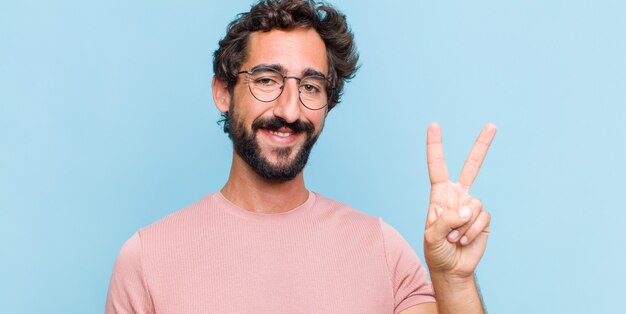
(318, 121)
(248, 110)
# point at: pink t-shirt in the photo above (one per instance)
(215, 257)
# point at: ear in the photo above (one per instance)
(221, 95)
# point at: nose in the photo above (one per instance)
(287, 105)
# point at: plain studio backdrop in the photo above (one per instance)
(107, 124)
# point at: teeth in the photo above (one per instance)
(281, 134)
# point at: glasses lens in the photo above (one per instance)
(313, 92)
(265, 85)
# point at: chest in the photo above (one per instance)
(318, 270)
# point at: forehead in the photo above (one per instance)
(296, 50)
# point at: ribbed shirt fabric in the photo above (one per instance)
(215, 257)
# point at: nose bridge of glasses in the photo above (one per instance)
(298, 80)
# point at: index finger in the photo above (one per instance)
(477, 155)
(437, 170)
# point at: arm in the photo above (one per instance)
(128, 292)
(453, 296)
(457, 227)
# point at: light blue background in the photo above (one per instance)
(107, 124)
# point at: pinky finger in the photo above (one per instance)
(480, 225)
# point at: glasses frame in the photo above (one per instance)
(282, 88)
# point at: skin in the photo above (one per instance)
(453, 243)
(296, 51)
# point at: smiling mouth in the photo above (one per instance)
(281, 134)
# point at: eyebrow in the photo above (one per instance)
(313, 72)
(276, 67)
(279, 68)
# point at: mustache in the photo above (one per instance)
(276, 123)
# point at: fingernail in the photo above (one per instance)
(464, 240)
(465, 212)
(452, 235)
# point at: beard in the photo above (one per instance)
(247, 147)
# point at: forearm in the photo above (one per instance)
(457, 295)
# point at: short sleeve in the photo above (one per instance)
(128, 292)
(409, 278)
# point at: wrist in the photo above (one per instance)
(456, 293)
(453, 279)
(448, 285)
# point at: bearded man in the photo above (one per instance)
(266, 244)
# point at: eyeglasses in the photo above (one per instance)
(267, 84)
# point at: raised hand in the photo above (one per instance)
(457, 227)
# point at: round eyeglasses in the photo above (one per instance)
(267, 84)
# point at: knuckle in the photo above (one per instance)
(471, 233)
(477, 203)
(448, 217)
(429, 238)
(475, 163)
(487, 215)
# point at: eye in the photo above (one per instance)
(312, 85)
(267, 79)
(309, 88)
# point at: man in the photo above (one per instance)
(266, 244)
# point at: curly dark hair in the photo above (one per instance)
(267, 15)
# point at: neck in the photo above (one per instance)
(246, 189)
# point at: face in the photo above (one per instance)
(275, 138)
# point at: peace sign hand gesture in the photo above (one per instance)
(457, 227)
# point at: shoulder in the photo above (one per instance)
(181, 219)
(408, 275)
(338, 210)
(169, 232)
(354, 222)
(345, 212)
(128, 290)
(405, 271)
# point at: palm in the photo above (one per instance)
(454, 257)
(446, 198)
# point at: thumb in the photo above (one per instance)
(447, 222)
